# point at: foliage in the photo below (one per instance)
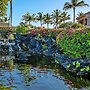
(28, 18)
(71, 25)
(22, 29)
(47, 19)
(46, 32)
(3, 34)
(65, 16)
(65, 25)
(75, 42)
(58, 17)
(55, 18)
(77, 25)
(73, 4)
(39, 17)
(56, 14)
(80, 14)
(2, 87)
(3, 7)
(11, 37)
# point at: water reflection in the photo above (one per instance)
(25, 71)
(40, 72)
(6, 77)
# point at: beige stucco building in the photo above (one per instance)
(84, 19)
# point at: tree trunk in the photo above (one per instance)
(29, 23)
(74, 14)
(56, 26)
(10, 12)
(41, 23)
(47, 25)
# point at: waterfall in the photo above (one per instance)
(10, 48)
(19, 47)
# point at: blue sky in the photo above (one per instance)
(20, 7)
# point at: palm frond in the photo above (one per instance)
(67, 6)
(81, 4)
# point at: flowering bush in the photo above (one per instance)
(46, 32)
(75, 42)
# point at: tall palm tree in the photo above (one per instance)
(47, 19)
(73, 4)
(64, 16)
(56, 17)
(40, 17)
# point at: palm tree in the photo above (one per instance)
(47, 19)
(28, 18)
(10, 12)
(65, 16)
(3, 8)
(73, 4)
(22, 24)
(56, 17)
(80, 14)
(40, 17)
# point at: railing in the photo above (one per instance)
(6, 28)
(2, 24)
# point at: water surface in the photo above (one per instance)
(39, 73)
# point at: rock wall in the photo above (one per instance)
(46, 45)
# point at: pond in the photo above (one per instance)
(39, 73)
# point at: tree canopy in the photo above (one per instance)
(73, 4)
(3, 7)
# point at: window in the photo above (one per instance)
(86, 21)
(81, 21)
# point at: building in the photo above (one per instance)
(84, 19)
(6, 26)
(3, 24)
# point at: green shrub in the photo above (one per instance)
(75, 42)
(22, 29)
(77, 25)
(3, 33)
(71, 25)
(65, 25)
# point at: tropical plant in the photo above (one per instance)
(4, 19)
(56, 18)
(65, 16)
(22, 29)
(22, 24)
(73, 4)
(39, 17)
(75, 42)
(80, 14)
(3, 7)
(71, 25)
(47, 19)
(27, 18)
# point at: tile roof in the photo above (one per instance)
(83, 15)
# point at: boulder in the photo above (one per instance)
(22, 57)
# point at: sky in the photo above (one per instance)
(20, 7)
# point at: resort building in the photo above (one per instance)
(84, 19)
(3, 24)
